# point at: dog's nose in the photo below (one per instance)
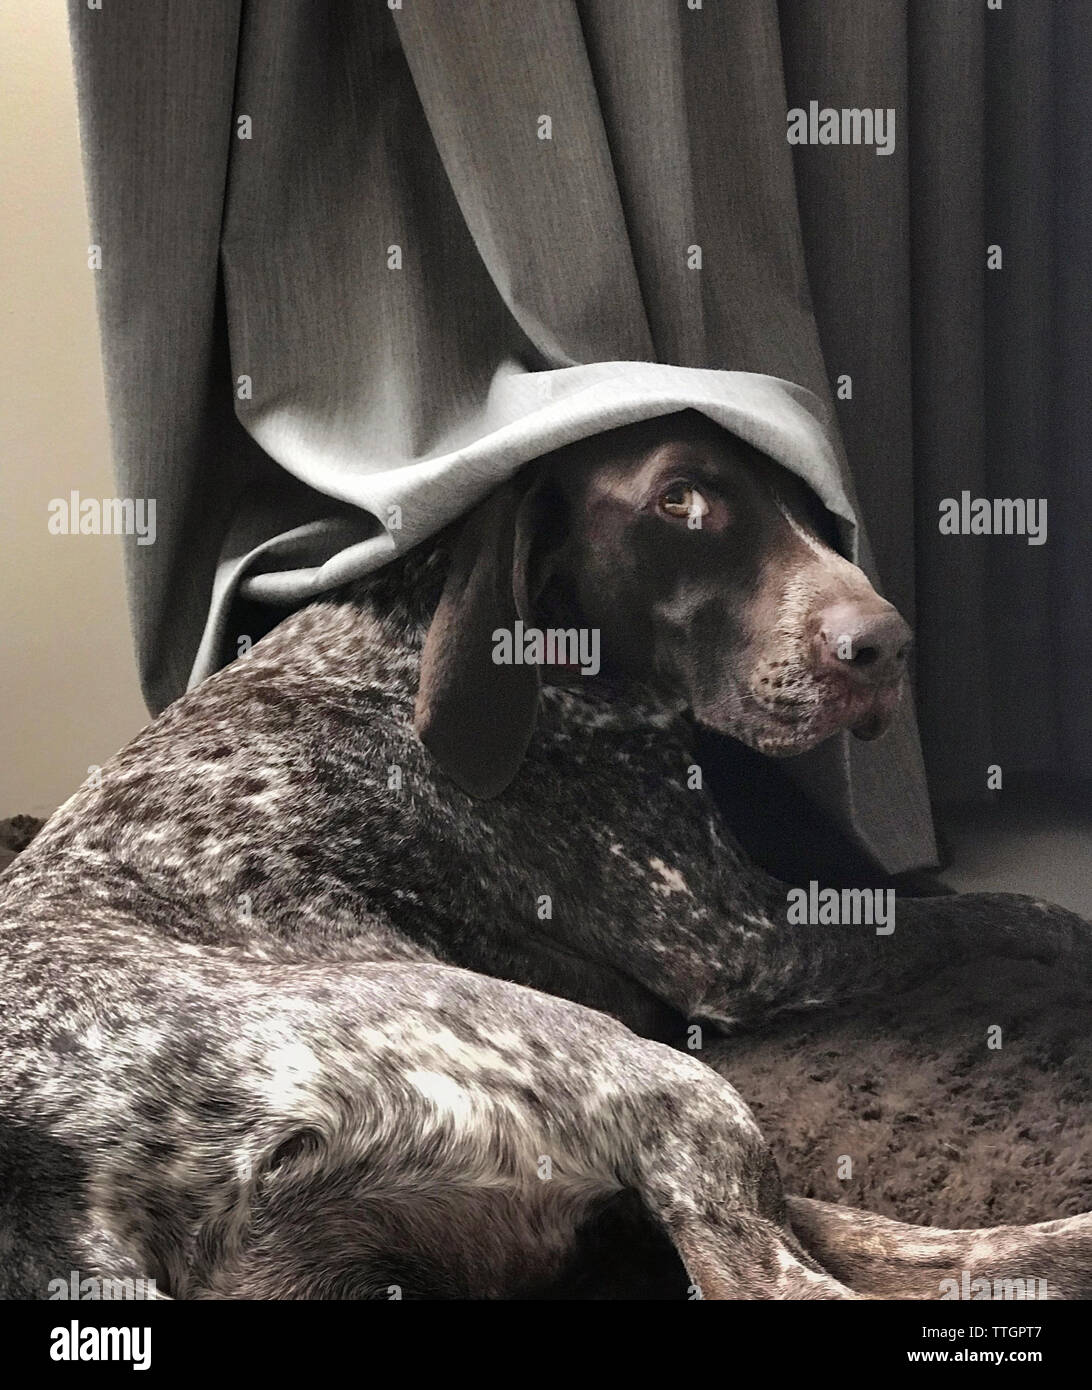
(867, 642)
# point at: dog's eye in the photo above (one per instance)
(681, 499)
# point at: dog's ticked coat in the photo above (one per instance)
(286, 1011)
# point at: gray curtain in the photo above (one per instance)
(346, 284)
(965, 378)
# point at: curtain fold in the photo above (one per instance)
(947, 209)
(360, 264)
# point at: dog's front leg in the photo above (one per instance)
(920, 937)
(770, 953)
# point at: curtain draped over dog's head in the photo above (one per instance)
(361, 264)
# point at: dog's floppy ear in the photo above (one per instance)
(474, 716)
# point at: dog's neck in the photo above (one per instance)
(402, 598)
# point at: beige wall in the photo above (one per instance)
(68, 685)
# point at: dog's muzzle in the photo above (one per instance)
(862, 648)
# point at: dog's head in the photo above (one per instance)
(703, 571)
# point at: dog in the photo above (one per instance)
(365, 970)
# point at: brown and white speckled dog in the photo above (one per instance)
(341, 980)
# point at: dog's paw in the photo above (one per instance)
(1027, 928)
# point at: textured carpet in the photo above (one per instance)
(940, 1128)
